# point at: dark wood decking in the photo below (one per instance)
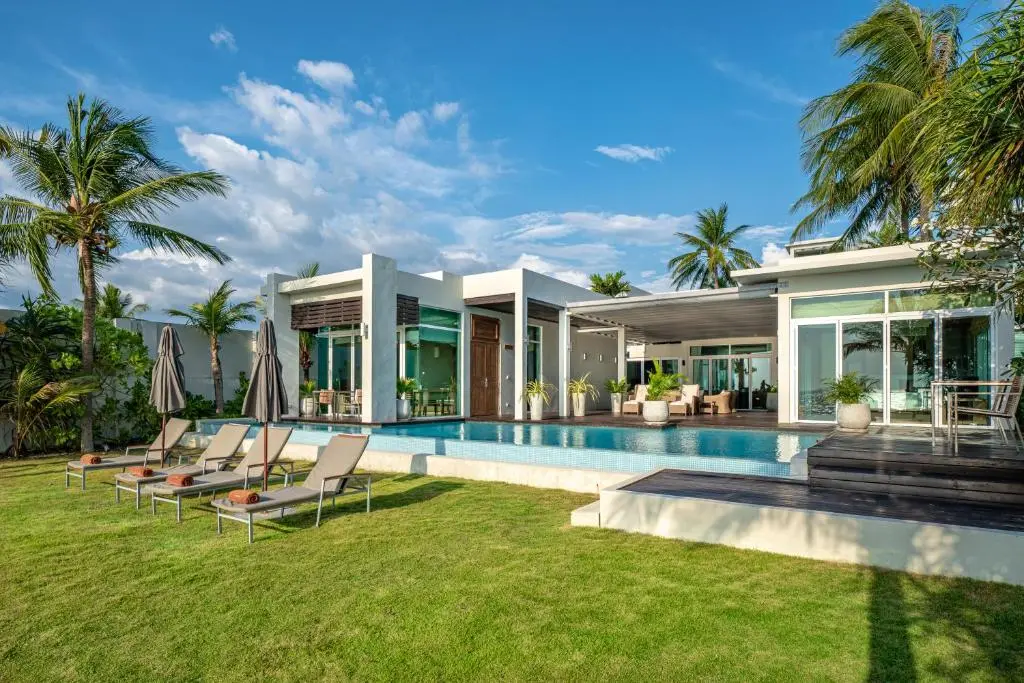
(781, 493)
(754, 419)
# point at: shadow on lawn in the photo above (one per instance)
(890, 651)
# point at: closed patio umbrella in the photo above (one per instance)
(265, 400)
(167, 393)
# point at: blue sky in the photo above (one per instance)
(564, 136)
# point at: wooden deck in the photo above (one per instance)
(753, 419)
(780, 493)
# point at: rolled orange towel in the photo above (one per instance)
(243, 497)
(141, 471)
(180, 480)
(91, 459)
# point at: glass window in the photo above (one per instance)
(966, 348)
(439, 318)
(842, 304)
(714, 350)
(701, 368)
(751, 348)
(634, 372)
(911, 370)
(816, 362)
(907, 300)
(864, 353)
(432, 359)
(533, 353)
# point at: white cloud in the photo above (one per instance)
(364, 108)
(773, 88)
(633, 153)
(763, 231)
(224, 38)
(445, 110)
(409, 128)
(552, 268)
(772, 254)
(328, 75)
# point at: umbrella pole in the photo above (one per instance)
(266, 438)
(163, 438)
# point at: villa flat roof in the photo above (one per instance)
(859, 259)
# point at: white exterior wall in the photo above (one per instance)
(380, 357)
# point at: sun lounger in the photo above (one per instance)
(250, 469)
(330, 476)
(155, 453)
(222, 450)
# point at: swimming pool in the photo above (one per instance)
(618, 449)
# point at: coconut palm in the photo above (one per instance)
(888, 234)
(28, 401)
(306, 338)
(113, 303)
(216, 316)
(92, 188)
(713, 253)
(610, 284)
(861, 142)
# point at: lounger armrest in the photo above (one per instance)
(128, 449)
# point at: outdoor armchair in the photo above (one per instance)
(635, 402)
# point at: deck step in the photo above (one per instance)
(922, 492)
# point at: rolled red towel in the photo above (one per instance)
(141, 471)
(243, 497)
(91, 459)
(180, 480)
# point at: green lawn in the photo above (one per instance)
(455, 580)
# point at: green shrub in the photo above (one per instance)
(850, 388)
(659, 383)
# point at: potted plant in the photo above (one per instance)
(617, 389)
(579, 389)
(849, 391)
(659, 383)
(537, 394)
(771, 401)
(404, 388)
(306, 389)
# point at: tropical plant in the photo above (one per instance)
(888, 234)
(610, 284)
(29, 401)
(659, 382)
(581, 386)
(233, 408)
(862, 141)
(307, 387)
(538, 387)
(216, 316)
(713, 252)
(405, 386)
(851, 388)
(37, 336)
(616, 386)
(92, 188)
(307, 340)
(113, 303)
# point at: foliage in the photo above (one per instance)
(113, 303)
(307, 340)
(537, 387)
(888, 234)
(1016, 368)
(29, 402)
(197, 407)
(308, 387)
(852, 387)
(861, 141)
(89, 189)
(38, 336)
(581, 386)
(233, 408)
(405, 386)
(713, 252)
(659, 382)
(616, 386)
(610, 284)
(215, 317)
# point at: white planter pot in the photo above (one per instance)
(772, 401)
(854, 417)
(616, 404)
(308, 406)
(536, 407)
(404, 409)
(579, 405)
(656, 412)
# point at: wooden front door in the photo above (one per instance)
(484, 367)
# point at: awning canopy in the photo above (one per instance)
(682, 316)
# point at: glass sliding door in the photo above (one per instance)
(966, 355)
(815, 363)
(760, 381)
(741, 382)
(719, 380)
(864, 353)
(911, 370)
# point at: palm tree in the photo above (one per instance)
(713, 252)
(28, 400)
(610, 284)
(306, 338)
(92, 187)
(888, 234)
(113, 303)
(217, 316)
(861, 142)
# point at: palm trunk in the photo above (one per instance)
(88, 337)
(218, 380)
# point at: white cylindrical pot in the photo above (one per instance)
(308, 405)
(656, 412)
(772, 401)
(537, 407)
(616, 404)
(579, 405)
(854, 417)
(403, 409)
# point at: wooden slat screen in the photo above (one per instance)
(408, 310)
(326, 313)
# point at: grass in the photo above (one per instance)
(457, 580)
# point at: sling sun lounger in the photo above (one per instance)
(222, 449)
(155, 453)
(331, 474)
(250, 469)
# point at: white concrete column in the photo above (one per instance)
(465, 344)
(620, 353)
(564, 364)
(279, 310)
(519, 341)
(380, 358)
